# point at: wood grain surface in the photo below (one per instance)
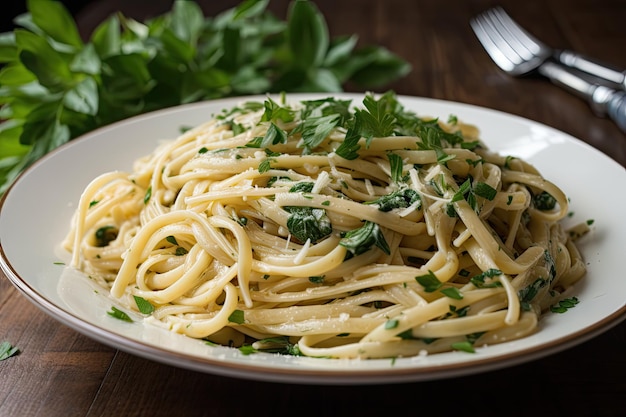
(60, 372)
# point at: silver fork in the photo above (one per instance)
(530, 46)
(518, 53)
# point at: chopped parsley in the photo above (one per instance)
(119, 314)
(361, 240)
(564, 305)
(7, 350)
(308, 223)
(403, 198)
(144, 306)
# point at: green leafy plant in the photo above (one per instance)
(55, 86)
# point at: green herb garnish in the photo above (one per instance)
(119, 314)
(7, 350)
(361, 240)
(144, 306)
(564, 305)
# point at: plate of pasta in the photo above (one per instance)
(316, 238)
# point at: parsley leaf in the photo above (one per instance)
(315, 129)
(479, 280)
(396, 166)
(398, 199)
(376, 120)
(144, 306)
(273, 136)
(119, 314)
(564, 305)
(308, 223)
(237, 316)
(7, 350)
(430, 282)
(350, 146)
(361, 240)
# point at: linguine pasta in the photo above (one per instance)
(325, 229)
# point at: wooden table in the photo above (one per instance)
(60, 372)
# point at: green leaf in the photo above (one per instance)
(119, 314)
(321, 80)
(308, 223)
(15, 74)
(274, 112)
(391, 324)
(43, 128)
(83, 98)
(249, 9)
(106, 38)
(402, 198)
(564, 305)
(350, 146)
(7, 350)
(452, 292)
(464, 188)
(237, 317)
(130, 74)
(54, 19)
(187, 21)
(361, 240)
(396, 166)
(307, 34)
(273, 136)
(231, 47)
(376, 120)
(315, 129)
(8, 48)
(87, 61)
(430, 282)
(465, 346)
(148, 195)
(265, 165)
(248, 81)
(42, 60)
(379, 67)
(302, 187)
(479, 280)
(485, 190)
(176, 49)
(144, 306)
(340, 50)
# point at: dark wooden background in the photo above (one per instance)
(60, 372)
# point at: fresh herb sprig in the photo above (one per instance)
(55, 86)
(7, 350)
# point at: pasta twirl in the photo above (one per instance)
(329, 229)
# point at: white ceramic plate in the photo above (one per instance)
(36, 211)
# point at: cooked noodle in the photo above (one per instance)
(330, 230)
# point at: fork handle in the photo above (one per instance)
(613, 76)
(603, 100)
(615, 103)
